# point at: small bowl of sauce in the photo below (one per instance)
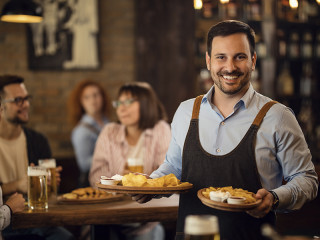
(236, 200)
(109, 181)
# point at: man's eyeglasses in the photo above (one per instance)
(19, 101)
(127, 102)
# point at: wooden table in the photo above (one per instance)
(123, 211)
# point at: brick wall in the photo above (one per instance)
(51, 88)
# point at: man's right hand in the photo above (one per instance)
(20, 186)
(16, 202)
(142, 198)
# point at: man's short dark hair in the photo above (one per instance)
(229, 27)
(9, 79)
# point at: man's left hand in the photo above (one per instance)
(265, 206)
(58, 175)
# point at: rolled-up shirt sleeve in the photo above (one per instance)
(298, 170)
(173, 159)
(5, 216)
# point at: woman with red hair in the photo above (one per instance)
(89, 108)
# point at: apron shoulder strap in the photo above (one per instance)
(263, 111)
(196, 107)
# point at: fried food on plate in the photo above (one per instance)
(169, 180)
(235, 192)
(79, 191)
(86, 193)
(70, 196)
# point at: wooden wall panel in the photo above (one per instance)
(165, 32)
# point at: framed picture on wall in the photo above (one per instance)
(66, 39)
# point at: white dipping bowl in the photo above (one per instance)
(216, 199)
(109, 181)
(218, 196)
(236, 200)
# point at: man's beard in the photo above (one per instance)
(17, 121)
(243, 82)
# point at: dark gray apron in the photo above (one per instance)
(237, 169)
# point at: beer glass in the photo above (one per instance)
(201, 227)
(50, 165)
(37, 188)
(135, 165)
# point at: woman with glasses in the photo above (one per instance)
(88, 112)
(141, 134)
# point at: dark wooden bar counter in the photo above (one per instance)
(123, 211)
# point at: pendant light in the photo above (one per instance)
(197, 4)
(21, 11)
(293, 3)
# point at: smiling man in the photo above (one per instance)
(19, 147)
(234, 136)
(231, 67)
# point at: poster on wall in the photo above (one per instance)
(66, 39)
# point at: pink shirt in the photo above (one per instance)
(110, 154)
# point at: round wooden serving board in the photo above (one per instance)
(226, 206)
(143, 190)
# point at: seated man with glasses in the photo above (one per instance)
(15, 203)
(19, 101)
(19, 147)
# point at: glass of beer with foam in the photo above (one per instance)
(37, 188)
(201, 227)
(50, 165)
(135, 165)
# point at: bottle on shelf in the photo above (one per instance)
(283, 9)
(306, 120)
(222, 10)
(232, 10)
(255, 80)
(207, 10)
(303, 10)
(253, 10)
(282, 44)
(306, 82)
(306, 50)
(201, 227)
(285, 82)
(317, 46)
(261, 47)
(318, 139)
(294, 45)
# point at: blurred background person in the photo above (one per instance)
(89, 108)
(140, 133)
(14, 204)
(19, 147)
